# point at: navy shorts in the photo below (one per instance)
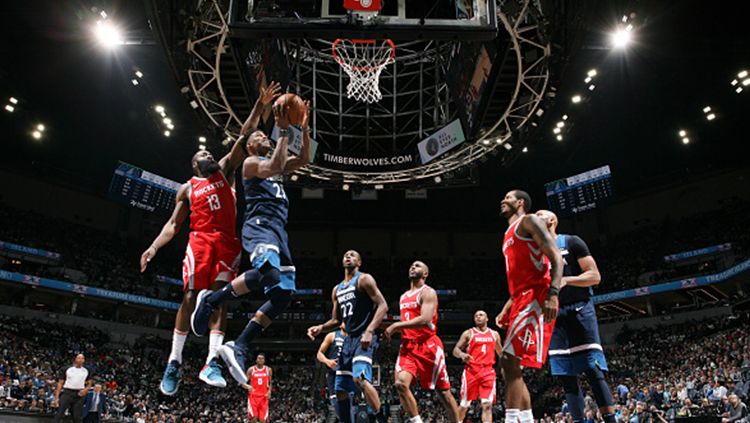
(575, 345)
(267, 243)
(354, 362)
(331, 383)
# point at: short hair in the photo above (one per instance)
(523, 195)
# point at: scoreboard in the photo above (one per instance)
(578, 193)
(143, 190)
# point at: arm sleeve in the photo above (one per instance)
(578, 247)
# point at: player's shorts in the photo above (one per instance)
(266, 241)
(478, 384)
(354, 362)
(575, 345)
(528, 334)
(331, 383)
(210, 257)
(257, 406)
(425, 360)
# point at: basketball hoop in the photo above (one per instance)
(363, 60)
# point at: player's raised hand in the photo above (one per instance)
(366, 340)
(313, 332)
(270, 92)
(281, 116)
(146, 257)
(306, 120)
(550, 308)
(331, 364)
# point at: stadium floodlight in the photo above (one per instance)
(622, 37)
(379, 186)
(167, 133)
(507, 146)
(108, 34)
(685, 140)
(486, 141)
(170, 127)
(587, 80)
(735, 82)
(556, 130)
(682, 133)
(103, 14)
(345, 187)
(438, 179)
(592, 87)
(159, 108)
(202, 147)
(746, 82)
(9, 108)
(201, 139)
(139, 74)
(294, 177)
(167, 121)
(576, 99)
(13, 100)
(525, 149)
(134, 82)
(40, 127)
(591, 73)
(706, 109)
(565, 117)
(560, 124)
(499, 140)
(36, 135)
(194, 104)
(738, 90)
(710, 116)
(742, 74)
(559, 137)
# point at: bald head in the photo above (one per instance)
(418, 270)
(549, 219)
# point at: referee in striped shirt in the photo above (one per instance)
(71, 390)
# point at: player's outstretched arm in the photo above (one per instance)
(501, 319)
(233, 159)
(335, 320)
(266, 96)
(170, 229)
(367, 282)
(534, 226)
(498, 343)
(458, 350)
(254, 167)
(321, 355)
(296, 162)
(590, 275)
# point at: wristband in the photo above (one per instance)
(553, 291)
(306, 129)
(283, 133)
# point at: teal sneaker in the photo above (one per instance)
(170, 382)
(211, 374)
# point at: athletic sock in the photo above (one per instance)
(511, 415)
(252, 329)
(416, 419)
(178, 342)
(215, 340)
(217, 298)
(525, 416)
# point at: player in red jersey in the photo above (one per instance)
(213, 250)
(534, 267)
(258, 390)
(421, 354)
(477, 348)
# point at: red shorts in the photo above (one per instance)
(478, 384)
(210, 256)
(425, 360)
(528, 334)
(257, 406)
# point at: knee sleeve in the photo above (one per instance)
(265, 277)
(278, 302)
(602, 394)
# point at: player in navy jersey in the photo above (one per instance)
(575, 347)
(357, 302)
(328, 355)
(264, 238)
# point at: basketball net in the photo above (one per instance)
(363, 61)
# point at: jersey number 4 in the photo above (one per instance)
(213, 202)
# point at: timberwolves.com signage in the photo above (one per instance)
(441, 141)
(370, 163)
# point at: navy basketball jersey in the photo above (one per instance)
(334, 349)
(355, 306)
(266, 198)
(573, 248)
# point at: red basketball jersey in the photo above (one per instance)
(411, 307)
(481, 349)
(212, 204)
(259, 379)
(525, 264)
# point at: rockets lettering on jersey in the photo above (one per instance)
(212, 204)
(411, 308)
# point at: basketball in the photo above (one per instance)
(295, 107)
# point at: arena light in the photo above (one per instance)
(486, 141)
(592, 87)
(9, 108)
(108, 34)
(40, 127)
(438, 179)
(345, 187)
(735, 82)
(134, 82)
(507, 146)
(167, 133)
(36, 135)
(706, 109)
(682, 133)
(139, 74)
(576, 99)
(294, 177)
(710, 116)
(686, 140)
(194, 104)
(746, 82)
(159, 108)
(498, 141)
(560, 124)
(167, 121)
(591, 73)
(202, 147)
(525, 149)
(742, 74)
(556, 130)
(13, 100)
(738, 90)
(201, 139)
(559, 137)
(587, 80)
(565, 117)
(170, 126)
(379, 186)
(621, 37)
